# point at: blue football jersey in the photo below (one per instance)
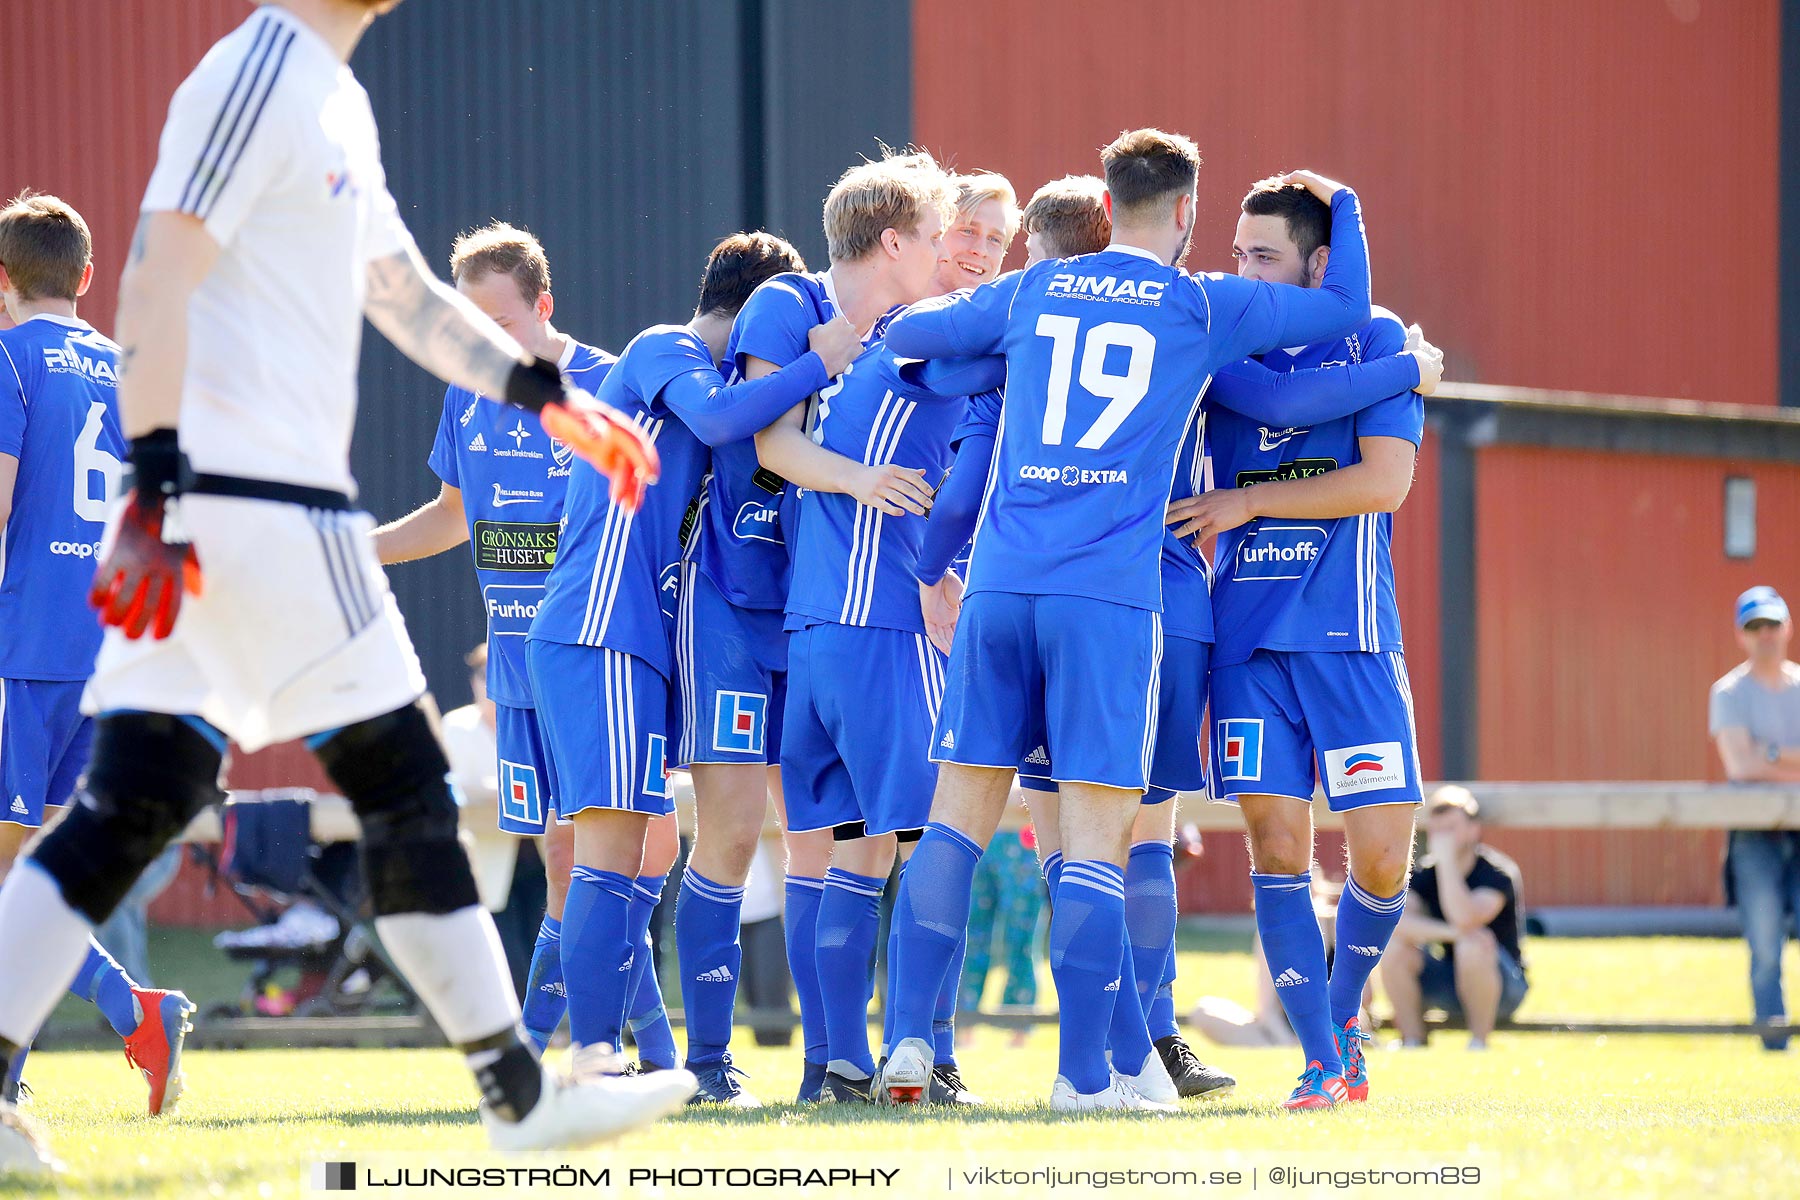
(742, 541)
(1187, 610)
(853, 564)
(513, 477)
(614, 577)
(1309, 585)
(1106, 358)
(59, 417)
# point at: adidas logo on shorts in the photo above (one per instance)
(949, 742)
(1290, 977)
(626, 965)
(1037, 758)
(478, 445)
(555, 988)
(719, 974)
(18, 805)
(1111, 987)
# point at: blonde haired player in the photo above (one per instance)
(268, 233)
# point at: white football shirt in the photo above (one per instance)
(271, 142)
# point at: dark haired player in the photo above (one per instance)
(600, 650)
(1106, 359)
(1308, 677)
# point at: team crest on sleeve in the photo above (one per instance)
(520, 799)
(740, 721)
(1240, 749)
(1375, 767)
(656, 766)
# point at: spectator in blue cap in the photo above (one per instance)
(1755, 720)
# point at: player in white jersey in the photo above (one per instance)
(267, 234)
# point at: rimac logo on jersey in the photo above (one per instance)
(1376, 767)
(1272, 552)
(758, 523)
(520, 799)
(516, 545)
(505, 496)
(1106, 287)
(656, 767)
(1240, 749)
(69, 360)
(740, 722)
(510, 608)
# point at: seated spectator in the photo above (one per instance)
(1457, 947)
(1755, 719)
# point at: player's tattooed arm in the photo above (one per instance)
(430, 323)
(171, 253)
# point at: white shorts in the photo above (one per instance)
(294, 632)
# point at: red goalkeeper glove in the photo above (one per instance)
(144, 574)
(597, 432)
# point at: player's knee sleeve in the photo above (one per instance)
(849, 831)
(392, 770)
(149, 774)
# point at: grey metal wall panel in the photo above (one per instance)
(608, 129)
(837, 83)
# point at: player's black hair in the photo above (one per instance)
(739, 265)
(1308, 217)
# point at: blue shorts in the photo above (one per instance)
(1082, 671)
(1281, 721)
(603, 716)
(861, 704)
(44, 743)
(527, 800)
(731, 673)
(1175, 763)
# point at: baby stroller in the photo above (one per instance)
(307, 899)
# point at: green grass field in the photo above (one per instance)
(1551, 1115)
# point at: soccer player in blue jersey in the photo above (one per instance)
(60, 462)
(1309, 683)
(502, 489)
(600, 651)
(1061, 629)
(882, 221)
(1065, 218)
(864, 677)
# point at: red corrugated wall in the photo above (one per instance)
(94, 146)
(1566, 195)
(101, 87)
(1604, 610)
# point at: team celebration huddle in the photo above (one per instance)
(869, 544)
